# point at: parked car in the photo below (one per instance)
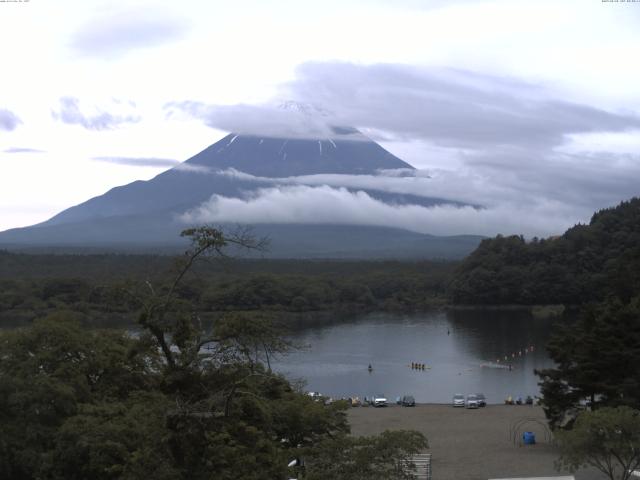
(316, 396)
(482, 400)
(408, 401)
(458, 400)
(472, 401)
(379, 400)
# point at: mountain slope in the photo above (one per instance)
(146, 213)
(197, 179)
(138, 234)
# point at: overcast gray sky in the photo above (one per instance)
(531, 109)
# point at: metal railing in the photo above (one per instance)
(422, 466)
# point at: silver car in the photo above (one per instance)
(458, 400)
(472, 401)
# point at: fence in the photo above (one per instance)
(422, 462)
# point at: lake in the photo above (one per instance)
(336, 356)
(455, 345)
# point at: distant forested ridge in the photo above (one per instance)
(589, 263)
(33, 286)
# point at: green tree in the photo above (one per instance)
(48, 372)
(253, 338)
(365, 458)
(115, 440)
(597, 359)
(607, 439)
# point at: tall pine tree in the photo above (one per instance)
(598, 361)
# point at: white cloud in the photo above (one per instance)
(113, 34)
(422, 183)
(327, 205)
(276, 120)
(191, 168)
(139, 161)
(97, 118)
(580, 51)
(8, 120)
(461, 185)
(619, 143)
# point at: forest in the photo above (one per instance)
(95, 286)
(587, 263)
(178, 400)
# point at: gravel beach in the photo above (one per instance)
(471, 444)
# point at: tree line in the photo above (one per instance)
(587, 263)
(92, 287)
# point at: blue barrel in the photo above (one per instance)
(529, 438)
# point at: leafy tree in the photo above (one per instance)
(607, 439)
(365, 458)
(251, 338)
(48, 373)
(597, 359)
(114, 440)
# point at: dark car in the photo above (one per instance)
(408, 401)
(482, 400)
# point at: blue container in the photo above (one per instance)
(529, 438)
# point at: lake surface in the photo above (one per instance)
(455, 345)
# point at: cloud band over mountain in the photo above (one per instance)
(303, 204)
(449, 107)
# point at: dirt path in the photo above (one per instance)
(470, 444)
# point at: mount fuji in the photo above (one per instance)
(149, 215)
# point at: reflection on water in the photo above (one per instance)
(453, 344)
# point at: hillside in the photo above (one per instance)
(587, 263)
